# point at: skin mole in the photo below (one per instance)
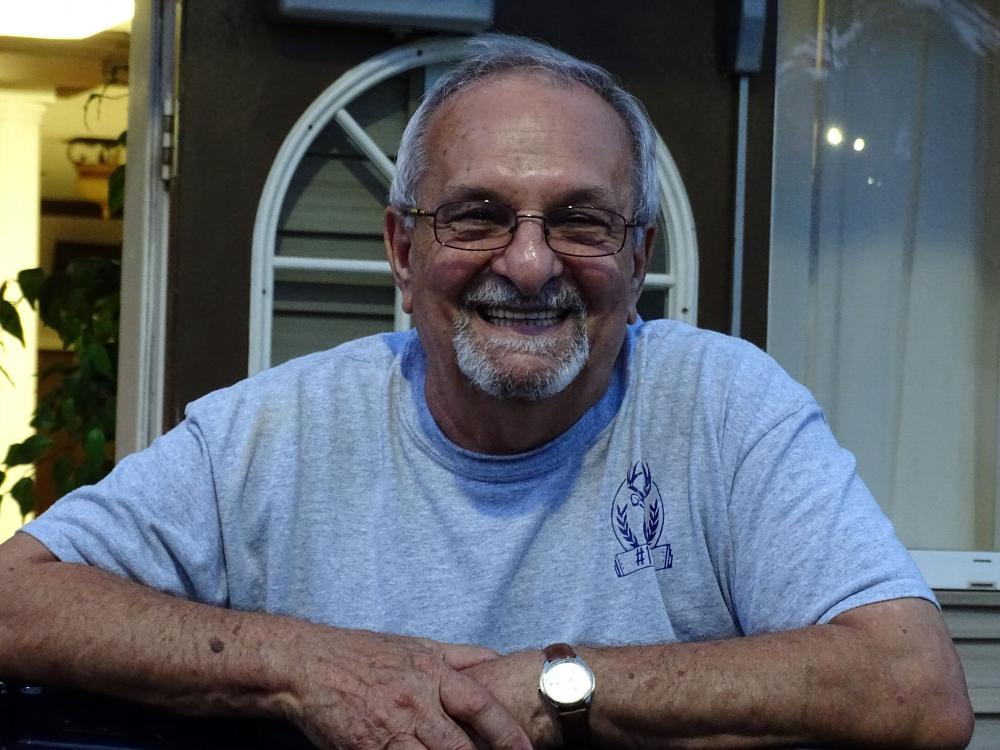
(216, 645)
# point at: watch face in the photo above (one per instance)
(567, 681)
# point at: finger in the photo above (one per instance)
(467, 701)
(459, 655)
(404, 742)
(439, 732)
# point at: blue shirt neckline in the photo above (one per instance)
(419, 422)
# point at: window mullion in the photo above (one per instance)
(383, 164)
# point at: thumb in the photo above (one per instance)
(459, 656)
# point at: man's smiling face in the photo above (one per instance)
(522, 322)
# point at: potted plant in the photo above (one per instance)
(73, 427)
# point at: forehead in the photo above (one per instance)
(525, 136)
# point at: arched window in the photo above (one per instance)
(319, 274)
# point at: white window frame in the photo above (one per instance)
(943, 569)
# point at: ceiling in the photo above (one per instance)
(73, 70)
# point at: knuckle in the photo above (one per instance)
(477, 701)
(426, 662)
(397, 740)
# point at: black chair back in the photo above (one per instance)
(34, 717)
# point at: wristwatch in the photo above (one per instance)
(568, 684)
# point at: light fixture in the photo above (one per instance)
(859, 144)
(62, 19)
(834, 136)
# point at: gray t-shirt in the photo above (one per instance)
(702, 497)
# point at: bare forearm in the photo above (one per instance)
(78, 626)
(74, 625)
(823, 685)
(879, 676)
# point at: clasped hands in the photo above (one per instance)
(359, 690)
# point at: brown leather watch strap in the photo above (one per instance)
(575, 728)
(575, 723)
(559, 651)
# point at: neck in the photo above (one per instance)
(476, 421)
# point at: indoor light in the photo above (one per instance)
(859, 144)
(834, 136)
(62, 19)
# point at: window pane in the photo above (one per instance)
(326, 310)
(653, 304)
(334, 195)
(381, 110)
(339, 246)
(885, 268)
(333, 212)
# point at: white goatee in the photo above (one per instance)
(482, 361)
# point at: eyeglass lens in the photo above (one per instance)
(486, 225)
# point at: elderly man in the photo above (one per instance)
(377, 542)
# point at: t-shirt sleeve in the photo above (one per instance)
(809, 541)
(153, 520)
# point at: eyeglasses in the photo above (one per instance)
(487, 225)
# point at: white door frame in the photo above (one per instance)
(151, 118)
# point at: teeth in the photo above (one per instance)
(537, 317)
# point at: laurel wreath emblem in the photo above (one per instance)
(651, 526)
(641, 494)
(623, 527)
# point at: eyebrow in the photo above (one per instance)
(470, 193)
(595, 196)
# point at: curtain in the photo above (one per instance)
(885, 264)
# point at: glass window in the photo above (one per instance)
(885, 264)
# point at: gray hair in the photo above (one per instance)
(497, 55)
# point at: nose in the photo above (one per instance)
(528, 261)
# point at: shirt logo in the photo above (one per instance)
(637, 520)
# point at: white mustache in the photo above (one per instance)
(499, 292)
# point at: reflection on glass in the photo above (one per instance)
(885, 269)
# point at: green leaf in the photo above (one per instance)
(36, 446)
(31, 282)
(97, 357)
(28, 451)
(93, 444)
(116, 191)
(82, 304)
(67, 410)
(10, 321)
(24, 492)
(14, 453)
(45, 417)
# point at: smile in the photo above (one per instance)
(500, 316)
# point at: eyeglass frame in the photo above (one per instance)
(415, 212)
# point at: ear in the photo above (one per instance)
(642, 254)
(398, 242)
